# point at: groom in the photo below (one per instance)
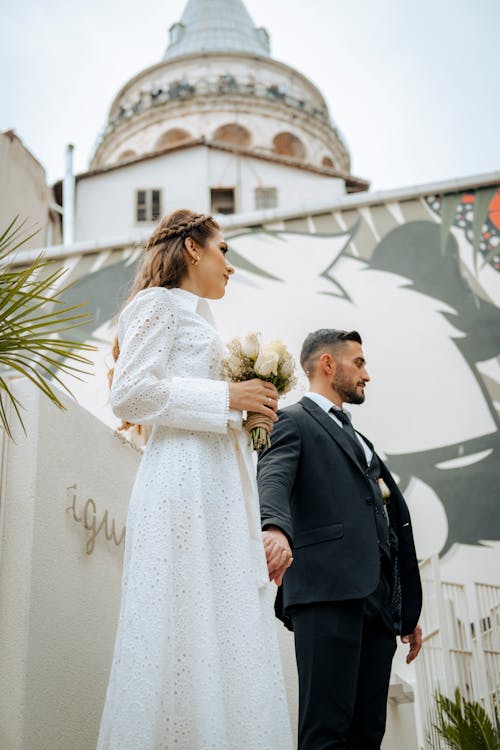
(354, 582)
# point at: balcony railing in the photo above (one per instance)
(227, 85)
(461, 647)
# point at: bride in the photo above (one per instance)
(196, 663)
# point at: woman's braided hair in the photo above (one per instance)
(164, 261)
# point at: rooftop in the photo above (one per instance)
(216, 26)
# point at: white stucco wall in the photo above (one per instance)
(105, 202)
(58, 604)
(263, 123)
(24, 192)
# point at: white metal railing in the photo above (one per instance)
(486, 637)
(461, 647)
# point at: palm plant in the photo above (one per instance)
(32, 317)
(465, 725)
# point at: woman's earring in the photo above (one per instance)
(195, 260)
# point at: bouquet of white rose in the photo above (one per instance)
(249, 358)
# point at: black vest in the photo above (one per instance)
(379, 511)
(386, 599)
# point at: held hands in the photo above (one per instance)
(278, 553)
(254, 395)
(415, 641)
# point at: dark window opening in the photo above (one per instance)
(222, 200)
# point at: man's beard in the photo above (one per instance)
(348, 392)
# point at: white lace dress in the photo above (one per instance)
(196, 663)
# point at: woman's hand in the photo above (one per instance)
(254, 395)
(278, 553)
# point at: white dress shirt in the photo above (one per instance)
(326, 405)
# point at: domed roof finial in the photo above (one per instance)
(216, 26)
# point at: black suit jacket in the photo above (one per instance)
(312, 486)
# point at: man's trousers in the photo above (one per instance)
(344, 654)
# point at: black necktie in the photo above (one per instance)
(386, 535)
(349, 430)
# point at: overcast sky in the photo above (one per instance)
(413, 85)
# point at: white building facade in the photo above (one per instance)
(128, 198)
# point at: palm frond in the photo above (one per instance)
(13, 238)
(465, 725)
(8, 396)
(485, 728)
(33, 314)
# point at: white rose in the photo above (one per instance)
(266, 363)
(250, 345)
(277, 346)
(287, 366)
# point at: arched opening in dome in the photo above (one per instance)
(287, 144)
(171, 137)
(327, 162)
(129, 153)
(233, 135)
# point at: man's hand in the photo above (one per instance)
(415, 641)
(278, 553)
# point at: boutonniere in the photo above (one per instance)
(384, 490)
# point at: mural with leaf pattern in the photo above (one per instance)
(420, 279)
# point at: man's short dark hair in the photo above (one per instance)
(324, 337)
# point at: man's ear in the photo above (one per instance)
(326, 363)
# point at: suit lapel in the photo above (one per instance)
(332, 428)
(336, 432)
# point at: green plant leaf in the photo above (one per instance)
(465, 725)
(30, 342)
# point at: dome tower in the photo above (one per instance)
(218, 83)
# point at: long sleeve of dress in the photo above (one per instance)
(142, 391)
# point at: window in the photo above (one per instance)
(172, 137)
(127, 154)
(222, 200)
(148, 205)
(155, 205)
(288, 144)
(266, 197)
(176, 32)
(234, 135)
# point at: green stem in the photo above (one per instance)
(259, 439)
